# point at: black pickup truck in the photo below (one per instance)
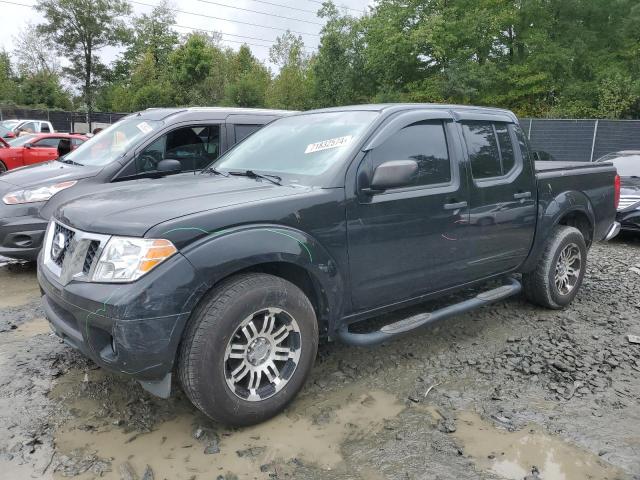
(145, 145)
(228, 279)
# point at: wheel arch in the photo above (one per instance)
(571, 208)
(275, 250)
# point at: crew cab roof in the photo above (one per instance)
(397, 107)
(207, 113)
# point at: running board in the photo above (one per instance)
(409, 324)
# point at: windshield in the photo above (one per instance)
(3, 131)
(627, 165)
(306, 145)
(111, 143)
(21, 141)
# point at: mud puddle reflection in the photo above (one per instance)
(311, 431)
(512, 455)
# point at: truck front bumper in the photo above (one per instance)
(132, 329)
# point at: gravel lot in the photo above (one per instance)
(509, 391)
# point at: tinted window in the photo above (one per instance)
(506, 147)
(193, 147)
(47, 143)
(44, 128)
(483, 149)
(243, 131)
(423, 142)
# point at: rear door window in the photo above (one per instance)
(44, 128)
(424, 142)
(490, 148)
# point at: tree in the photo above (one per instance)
(79, 29)
(248, 80)
(8, 89)
(292, 88)
(153, 34)
(34, 53)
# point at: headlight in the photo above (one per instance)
(127, 259)
(41, 194)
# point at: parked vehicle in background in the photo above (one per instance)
(5, 134)
(315, 222)
(14, 127)
(627, 162)
(32, 149)
(140, 147)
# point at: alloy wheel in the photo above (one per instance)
(568, 269)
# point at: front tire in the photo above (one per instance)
(248, 349)
(3, 168)
(558, 276)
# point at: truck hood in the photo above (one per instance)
(133, 209)
(48, 173)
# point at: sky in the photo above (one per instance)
(16, 14)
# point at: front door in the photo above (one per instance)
(502, 197)
(41, 151)
(408, 241)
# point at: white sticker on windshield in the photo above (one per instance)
(327, 144)
(144, 127)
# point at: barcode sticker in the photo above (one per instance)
(327, 144)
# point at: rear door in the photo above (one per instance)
(502, 195)
(406, 242)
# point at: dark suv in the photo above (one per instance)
(142, 146)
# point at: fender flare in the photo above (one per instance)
(554, 211)
(221, 253)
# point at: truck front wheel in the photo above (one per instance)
(559, 273)
(248, 349)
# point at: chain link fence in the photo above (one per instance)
(79, 122)
(581, 140)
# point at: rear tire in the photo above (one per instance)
(248, 349)
(3, 168)
(558, 276)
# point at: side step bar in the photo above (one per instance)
(409, 324)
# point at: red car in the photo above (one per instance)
(30, 149)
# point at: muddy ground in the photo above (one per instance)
(510, 391)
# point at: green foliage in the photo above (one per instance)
(78, 29)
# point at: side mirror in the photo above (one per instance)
(393, 174)
(169, 166)
(28, 145)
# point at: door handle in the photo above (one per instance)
(454, 206)
(520, 195)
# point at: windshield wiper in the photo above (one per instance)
(275, 179)
(68, 161)
(214, 171)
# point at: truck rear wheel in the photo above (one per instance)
(248, 349)
(559, 273)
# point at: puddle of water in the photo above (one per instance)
(511, 455)
(173, 453)
(18, 288)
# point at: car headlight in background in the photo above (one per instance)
(41, 194)
(126, 259)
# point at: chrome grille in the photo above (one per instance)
(71, 254)
(627, 201)
(67, 236)
(90, 257)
